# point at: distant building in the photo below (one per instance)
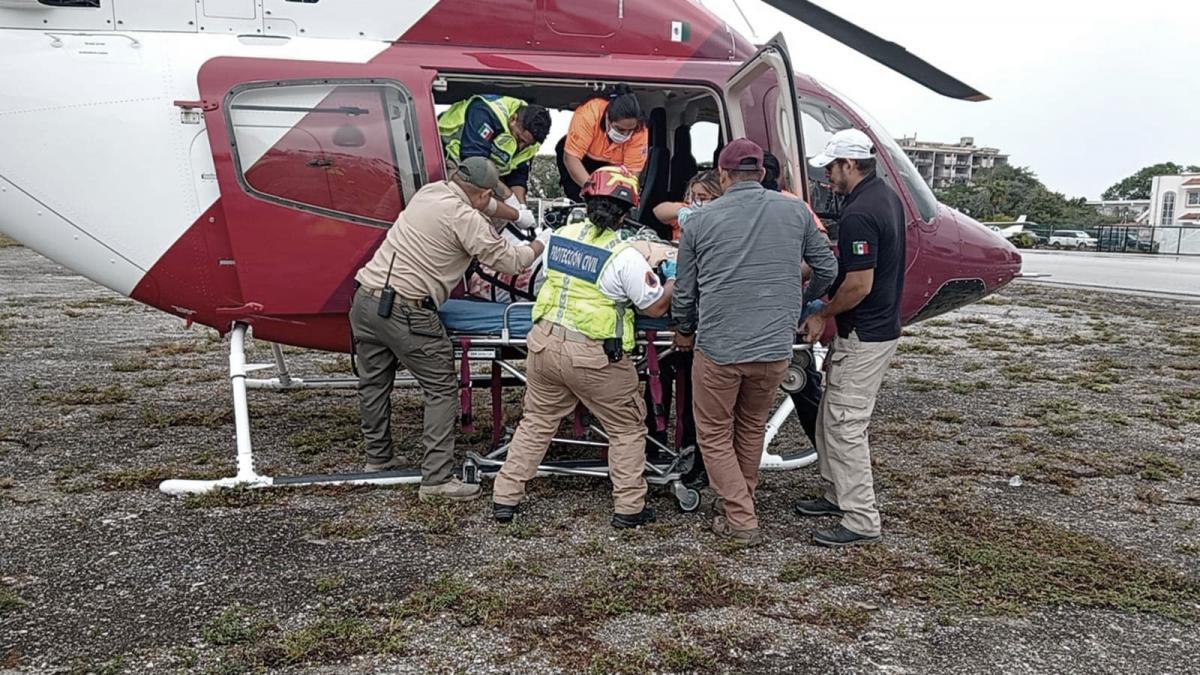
(1175, 212)
(944, 164)
(1127, 210)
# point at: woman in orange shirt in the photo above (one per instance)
(604, 131)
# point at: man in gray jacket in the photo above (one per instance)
(738, 298)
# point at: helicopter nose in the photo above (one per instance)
(986, 254)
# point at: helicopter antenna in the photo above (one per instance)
(738, 6)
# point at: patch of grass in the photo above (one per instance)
(1158, 467)
(844, 619)
(177, 348)
(87, 395)
(328, 583)
(1149, 495)
(9, 600)
(522, 528)
(440, 517)
(155, 418)
(131, 364)
(234, 625)
(1189, 549)
(913, 347)
(988, 343)
(153, 380)
(342, 529)
(1008, 564)
(972, 366)
(99, 302)
(340, 365)
(332, 637)
(949, 416)
(134, 478)
(8, 242)
(968, 387)
(921, 384)
(232, 498)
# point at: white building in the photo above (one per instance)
(943, 164)
(1175, 212)
(1128, 210)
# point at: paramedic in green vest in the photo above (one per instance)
(506, 130)
(579, 348)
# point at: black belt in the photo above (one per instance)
(426, 302)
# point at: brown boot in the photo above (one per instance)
(740, 538)
(454, 490)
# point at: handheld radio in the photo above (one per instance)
(387, 297)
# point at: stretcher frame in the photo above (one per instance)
(668, 470)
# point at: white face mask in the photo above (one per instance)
(616, 136)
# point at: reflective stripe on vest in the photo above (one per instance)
(571, 296)
(504, 154)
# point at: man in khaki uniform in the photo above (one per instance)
(395, 320)
(865, 301)
(579, 346)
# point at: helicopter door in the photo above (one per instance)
(757, 110)
(314, 163)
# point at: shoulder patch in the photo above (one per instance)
(860, 248)
(486, 131)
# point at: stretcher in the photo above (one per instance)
(495, 333)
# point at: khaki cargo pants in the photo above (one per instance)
(853, 372)
(732, 404)
(564, 368)
(382, 346)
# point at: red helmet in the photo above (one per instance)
(612, 181)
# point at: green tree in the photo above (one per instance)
(1137, 186)
(999, 193)
(543, 178)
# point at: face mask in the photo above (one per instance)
(616, 136)
(696, 203)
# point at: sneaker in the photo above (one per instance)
(840, 536)
(718, 507)
(372, 467)
(817, 507)
(503, 513)
(454, 490)
(740, 538)
(623, 521)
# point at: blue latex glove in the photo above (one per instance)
(811, 308)
(668, 268)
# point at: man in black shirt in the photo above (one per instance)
(865, 302)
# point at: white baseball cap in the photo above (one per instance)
(845, 144)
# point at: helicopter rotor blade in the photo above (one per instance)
(868, 44)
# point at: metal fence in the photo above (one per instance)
(1161, 240)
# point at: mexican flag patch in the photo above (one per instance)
(860, 248)
(486, 132)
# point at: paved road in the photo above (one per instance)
(1130, 272)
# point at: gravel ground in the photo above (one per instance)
(1091, 564)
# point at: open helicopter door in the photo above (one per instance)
(314, 162)
(758, 111)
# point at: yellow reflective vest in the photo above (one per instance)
(504, 154)
(571, 295)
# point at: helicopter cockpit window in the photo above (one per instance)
(343, 149)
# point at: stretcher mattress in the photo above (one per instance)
(479, 317)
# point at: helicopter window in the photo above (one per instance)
(337, 148)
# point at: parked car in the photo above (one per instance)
(1077, 239)
(1125, 239)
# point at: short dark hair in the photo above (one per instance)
(865, 166)
(536, 120)
(738, 176)
(623, 104)
(771, 168)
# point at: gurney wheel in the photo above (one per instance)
(687, 498)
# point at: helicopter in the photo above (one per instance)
(234, 162)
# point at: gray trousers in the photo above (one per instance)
(382, 346)
(853, 372)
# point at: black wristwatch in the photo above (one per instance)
(685, 330)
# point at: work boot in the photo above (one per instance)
(740, 538)
(503, 513)
(817, 507)
(454, 490)
(372, 467)
(718, 507)
(841, 536)
(623, 521)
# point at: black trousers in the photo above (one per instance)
(675, 363)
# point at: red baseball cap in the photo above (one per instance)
(742, 154)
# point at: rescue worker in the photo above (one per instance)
(395, 321)
(579, 348)
(865, 303)
(506, 130)
(738, 301)
(604, 131)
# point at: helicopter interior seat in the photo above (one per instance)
(655, 176)
(683, 164)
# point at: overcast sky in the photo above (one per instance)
(1083, 92)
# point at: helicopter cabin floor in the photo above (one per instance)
(1090, 561)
